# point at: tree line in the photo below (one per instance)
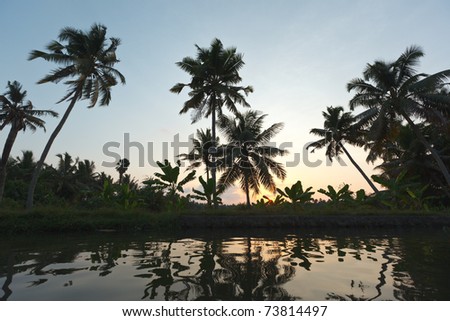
(404, 123)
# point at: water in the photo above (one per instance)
(232, 265)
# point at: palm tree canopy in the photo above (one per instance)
(201, 149)
(391, 90)
(17, 112)
(122, 166)
(338, 127)
(247, 158)
(214, 82)
(87, 60)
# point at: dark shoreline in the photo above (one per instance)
(72, 220)
(316, 221)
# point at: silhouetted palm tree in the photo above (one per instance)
(25, 165)
(122, 167)
(247, 158)
(20, 115)
(86, 172)
(64, 176)
(338, 128)
(214, 85)
(393, 91)
(201, 153)
(87, 60)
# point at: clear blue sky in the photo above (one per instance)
(299, 56)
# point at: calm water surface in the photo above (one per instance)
(208, 265)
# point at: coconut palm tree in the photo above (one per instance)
(247, 158)
(408, 155)
(25, 165)
(87, 62)
(201, 151)
(64, 176)
(122, 167)
(214, 84)
(86, 173)
(393, 91)
(20, 115)
(338, 128)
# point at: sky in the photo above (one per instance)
(299, 55)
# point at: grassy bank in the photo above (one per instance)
(72, 220)
(49, 220)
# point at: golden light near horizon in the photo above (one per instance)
(336, 174)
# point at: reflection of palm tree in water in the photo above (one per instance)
(9, 275)
(164, 276)
(245, 275)
(167, 275)
(254, 278)
(382, 278)
(36, 267)
(108, 255)
(269, 286)
(384, 266)
(206, 270)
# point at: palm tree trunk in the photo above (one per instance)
(40, 163)
(247, 192)
(359, 168)
(437, 158)
(5, 156)
(213, 160)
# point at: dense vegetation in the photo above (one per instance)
(405, 123)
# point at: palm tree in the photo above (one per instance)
(214, 85)
(86, 172)
(64, 176)
(20, 115)
(86, 179)
(201, 151)
(247, 158)
(393, 91)
(122, 167)
(338, 127)
(87, 60)
(25, 165)
(408, 154)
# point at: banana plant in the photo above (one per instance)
(267, 201)
(208, 192)
(360, 196)
(296, 194)
(403, 192)
(168, 180)
(343, 194)
(127, 197)
(278, 200)
(107, 194)
(260, 203)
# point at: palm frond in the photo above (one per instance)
(431, 83)
(265, 136)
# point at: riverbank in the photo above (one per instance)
(57, 220)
